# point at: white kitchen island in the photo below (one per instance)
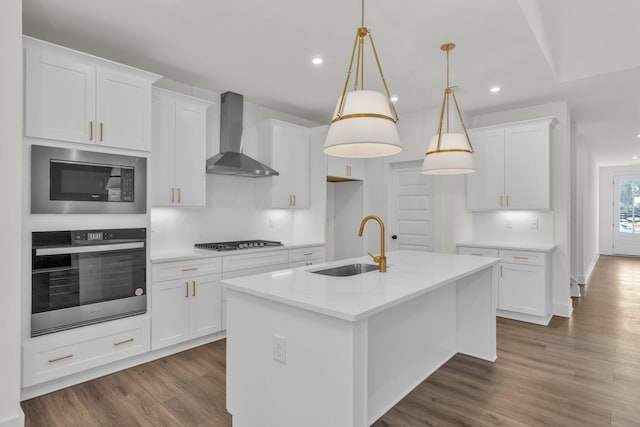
(305, 349)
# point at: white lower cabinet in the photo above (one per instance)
(57, 355)
(524, 283)
(306, 256)
(185, 307)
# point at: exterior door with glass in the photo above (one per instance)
(626, 215)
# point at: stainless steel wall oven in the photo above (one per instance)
(84, 277)
(86, 182)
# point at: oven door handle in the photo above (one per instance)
(87, 249)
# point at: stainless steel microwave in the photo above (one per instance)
(70, 181)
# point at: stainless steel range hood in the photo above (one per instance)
(231, 160)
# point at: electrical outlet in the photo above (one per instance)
(279, 349)
(533, 223)
(507, 223)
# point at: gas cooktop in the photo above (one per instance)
(240, 244)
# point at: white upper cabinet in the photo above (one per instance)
(284, 147)
(513, 166)
(71, 96)
(342, 168)
(179, 149)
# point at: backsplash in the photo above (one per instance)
(513, 227)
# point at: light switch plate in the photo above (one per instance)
(279, 348)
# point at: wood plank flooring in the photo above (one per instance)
(583, 371)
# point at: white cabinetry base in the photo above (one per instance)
(530, 318)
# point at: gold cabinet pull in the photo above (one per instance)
(91, 130)
(477, 254)
(294, 200)
(307, 254)
(186, 289)
(507, 200)
(190, 269)
(500, 271)
(179, 195)
(290, 199)
(193, 294)
(101, 131)
(501, 201)
(173, 193)
(58, 359)
(520, 257)
(122, 342)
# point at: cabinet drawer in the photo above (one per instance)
(305, 254)
(467, 250)
(521, 257)
(65, 353)
(185, 268)
(253, 260)
(306, 263)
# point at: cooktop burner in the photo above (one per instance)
(241, 244)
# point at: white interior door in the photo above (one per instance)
(411, 208)
(626, 215)
(347, 214)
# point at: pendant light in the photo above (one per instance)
(364, 122)
(449, 153)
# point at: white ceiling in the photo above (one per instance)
(582, 51)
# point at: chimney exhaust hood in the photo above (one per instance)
(231, 160)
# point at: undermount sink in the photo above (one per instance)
(347, 270)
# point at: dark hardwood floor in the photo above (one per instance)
(583, 371)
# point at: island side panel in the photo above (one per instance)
(407, 343)
(323, 379)
(476, 314)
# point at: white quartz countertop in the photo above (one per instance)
(178, 254)
(509, 245)
(409, 274)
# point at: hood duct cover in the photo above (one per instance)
(231, 160)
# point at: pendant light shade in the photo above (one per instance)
(364, 129)
(364, 122)
(449, 153)
(453, 157)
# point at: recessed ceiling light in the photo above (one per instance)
(635, 157)
(494, 89)
(638, 135)
(394, 99)
(317, 60)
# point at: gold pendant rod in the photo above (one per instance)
(346, 83)
(384, 82)
(455, 101)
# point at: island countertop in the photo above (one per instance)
(409, 275)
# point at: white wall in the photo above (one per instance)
(587, 214)
(560, 189)
(605, 204)
(11, 214)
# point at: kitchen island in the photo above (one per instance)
(306, 349)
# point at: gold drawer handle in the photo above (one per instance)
(123, 342)
(476, 254)
(58, 359)
(308, 253)
(190, 269)
(520, 257)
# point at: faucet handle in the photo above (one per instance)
(375, 258)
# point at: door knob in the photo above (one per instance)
(394, 237)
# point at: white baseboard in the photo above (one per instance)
(587, 273)
(15, 421)
(563, 310)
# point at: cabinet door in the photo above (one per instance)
(59, 97)
(190, 154)
(527, 168)
(163, 158)
(290, 157)
(169, 313)
(341, 167)
(205, 312)
(123, 110)
(521, 289)
(485, 187)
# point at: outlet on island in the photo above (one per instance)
(279, 349)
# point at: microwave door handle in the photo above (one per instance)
(87, 249)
